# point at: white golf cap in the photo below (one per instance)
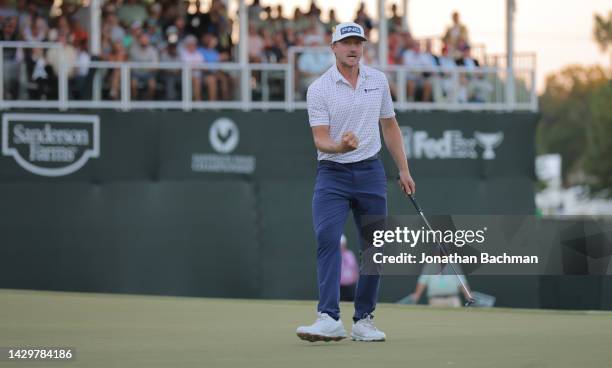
(348, 29)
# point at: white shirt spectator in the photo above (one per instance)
(83, 59)
(193, 57)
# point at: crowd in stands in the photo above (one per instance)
(174, 31)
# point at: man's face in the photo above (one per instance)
(348, 51)
(455, 18)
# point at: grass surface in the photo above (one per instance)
(147, 331)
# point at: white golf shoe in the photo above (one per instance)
(364, 330)
(325, 328)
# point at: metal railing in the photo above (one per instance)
(276, 86)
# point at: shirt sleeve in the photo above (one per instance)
(318, 114)
(386, 107)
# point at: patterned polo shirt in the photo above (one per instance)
(333, 101)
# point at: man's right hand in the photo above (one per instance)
(348, 142)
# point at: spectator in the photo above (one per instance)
(154, 32)
(62, 25)
(473, 84)
(300, 21)
(279, 22)
(395, 45)
(276, 51)
(6, 11)
(81, 88)
(211, 54)
(40, 76)
(410, 58)
(455, 35)
(395, 22)
(11, 58)
(79, 35)
(171, 77)
(64, 55)
(119, 55)
(179, 28)
(190, 54)
(311, 64)
(314, 10)
(28, 16)
(332, 23)
(430, 61)
(267, 16)
(363, 19)
(448, 67)
(256, 45)
(142, 51)
(131, 12)
(221, 25)
(290, 36)
(134, 35)
(170, 11)
(419, 80)
(349, 272)
(254, 12)
(112, 26)
(172, 35)
(79, 14)
(155, 15)
(37, 30)
(442, 286)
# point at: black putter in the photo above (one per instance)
(470, 298)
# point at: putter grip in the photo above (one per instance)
(415, 203)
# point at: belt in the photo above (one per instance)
(372, 158)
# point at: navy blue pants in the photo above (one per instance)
(362, 188)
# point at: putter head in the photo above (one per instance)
(469, 302)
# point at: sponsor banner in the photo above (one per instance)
(51, 144)
(451, 145)
(173, 145)
(467, 144)
(224, 137)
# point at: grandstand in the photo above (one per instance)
(133, 55)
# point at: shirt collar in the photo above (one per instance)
(338, 77)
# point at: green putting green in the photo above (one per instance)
(110, 330)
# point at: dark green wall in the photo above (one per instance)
(137, 219)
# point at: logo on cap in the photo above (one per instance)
(350, 29)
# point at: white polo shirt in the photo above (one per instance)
(332, 101)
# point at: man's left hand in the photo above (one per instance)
(406, 183)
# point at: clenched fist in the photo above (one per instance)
(349, 142)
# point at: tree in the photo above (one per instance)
(602, 32)
(598, 160)
(566, 115)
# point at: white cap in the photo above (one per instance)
(343, 239)
(348, 29)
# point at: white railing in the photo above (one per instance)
(449, 86)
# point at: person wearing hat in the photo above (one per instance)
(345, 106)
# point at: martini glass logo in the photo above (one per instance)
(489, 141)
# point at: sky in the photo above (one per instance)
(559, 32)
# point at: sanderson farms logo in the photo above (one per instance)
(224, 137)
(51, 144)
(451, 145)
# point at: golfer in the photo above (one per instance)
(345, 105)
